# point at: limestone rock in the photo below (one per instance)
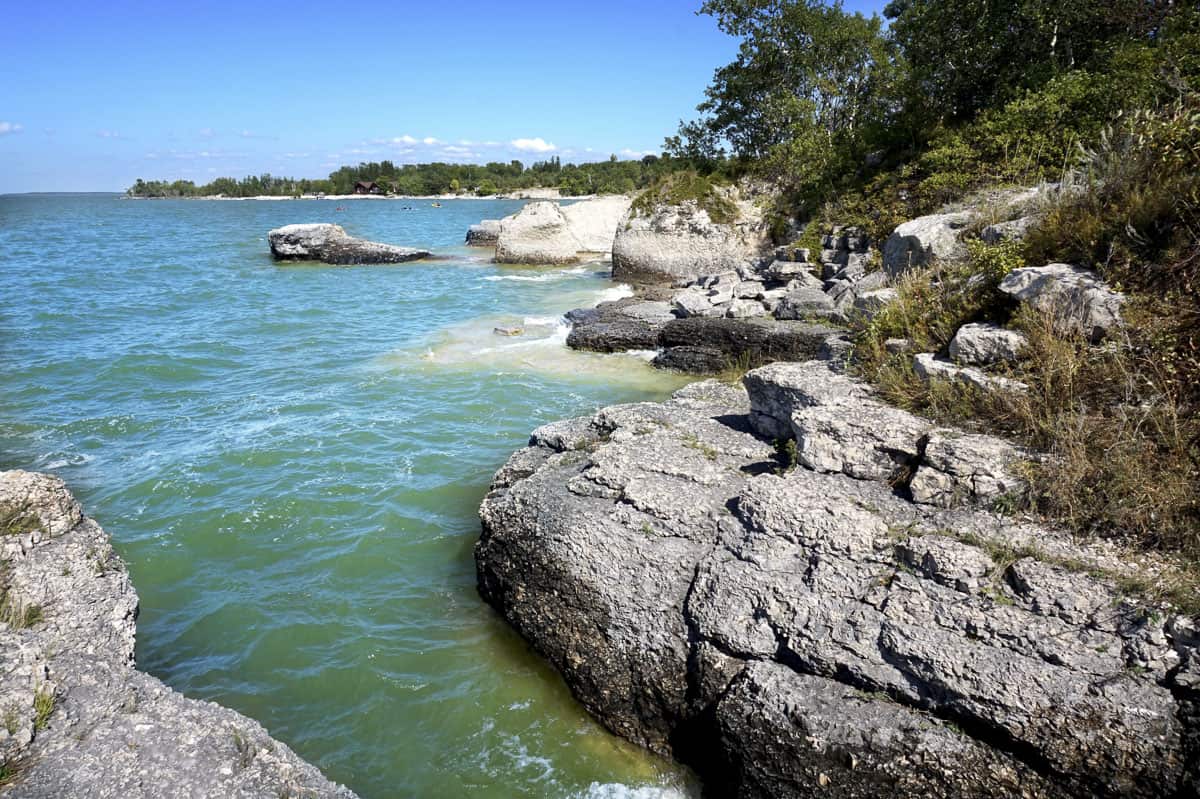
(693, 301)
(594, 222)
(628, 324)
(919, 241)
(810, 633)
(113, 731)
(964, 467)
(929, 367)
(681, 241)
(981, 344)
(1076, 298)
(745, 309)
(872, 302)
(330, 244)
(808, 303)
(537, 234)
(1013, 230)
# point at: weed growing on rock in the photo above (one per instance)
(691, 441)
(680, 187)
(17, 519)
(43, 707)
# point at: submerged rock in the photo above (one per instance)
(101, 727)
(330, 244)
(815, 633)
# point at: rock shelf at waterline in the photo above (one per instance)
(331, 244)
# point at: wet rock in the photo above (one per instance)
(330, 244)
(742, 340)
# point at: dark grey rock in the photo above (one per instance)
(485, 234)
(330, 244)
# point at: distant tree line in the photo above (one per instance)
(613, 176)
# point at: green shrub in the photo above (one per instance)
(679, 187)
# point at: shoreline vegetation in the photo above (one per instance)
(530, 194)
(434, 180)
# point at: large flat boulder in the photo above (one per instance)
(811, 631)
(104, 728)
(737, 340)
(332, 245)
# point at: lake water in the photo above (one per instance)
(290, 459)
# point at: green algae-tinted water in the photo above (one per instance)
(290, 459)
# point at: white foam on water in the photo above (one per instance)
(618, 292)
(543, 321)
(542, 277)
(616, 790)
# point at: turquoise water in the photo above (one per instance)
(290, 459)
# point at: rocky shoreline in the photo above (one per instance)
(802, 591)
(79, 718)
(863, 623)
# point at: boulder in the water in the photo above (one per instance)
(332, 245)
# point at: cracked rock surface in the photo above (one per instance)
(79, 719)
(812, 631)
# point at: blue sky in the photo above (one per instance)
(93, 96)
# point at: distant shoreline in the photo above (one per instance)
(525, 194)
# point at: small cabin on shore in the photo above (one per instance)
(366, 187)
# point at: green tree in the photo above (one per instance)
(804, 66)
(967, 55)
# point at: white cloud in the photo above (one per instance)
(10, 127)
(430, 141)
(109, 134)
(637, 153)
(207, 133)
(538, 145)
